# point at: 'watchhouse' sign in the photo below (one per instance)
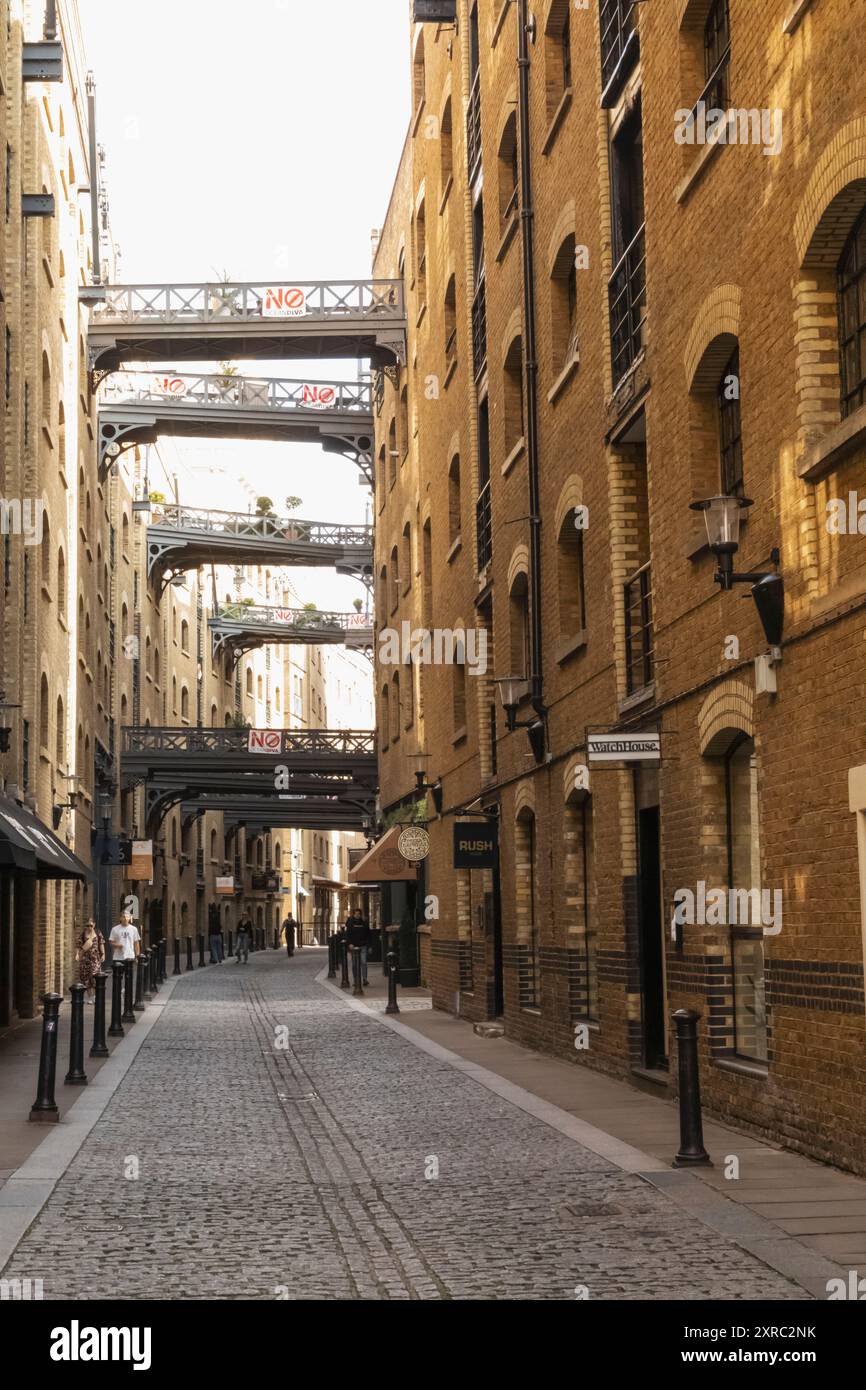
(475, 844)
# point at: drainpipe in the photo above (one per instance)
(94, 177)
(530, 361)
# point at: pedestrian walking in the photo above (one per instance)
(125, 938)
(216, 944)
(289, 929)
(358, 934)
(245, 934)
(90, 956)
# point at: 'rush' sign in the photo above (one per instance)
(284, 302)
(475, 844)
(265, 741)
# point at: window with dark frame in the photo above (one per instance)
(565, 48)
(730, 428)
(717, 55)
(851, 281)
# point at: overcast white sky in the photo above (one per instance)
(259, 139)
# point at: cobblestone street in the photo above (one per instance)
(295, 1163)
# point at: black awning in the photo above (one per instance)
(28, 845)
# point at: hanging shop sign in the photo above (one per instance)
(434, 11)
(624, 748)
(414, 844)
(475, 844)
(225, 886)
(141, 863)
(284, 302)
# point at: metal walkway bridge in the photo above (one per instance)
(268, 773)
(139, 407)
(183, 538)
(241, 627)
(217, 321)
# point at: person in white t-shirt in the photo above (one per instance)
(125, 939)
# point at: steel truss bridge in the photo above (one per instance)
(139, 407)
(183, 538)
(331, 773)
(241, 627)
(280, 320)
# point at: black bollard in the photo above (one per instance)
(189, 963)
(392, 1006)
(344, 963)
(176, 970)
(99, 1047)
(358, 985)
(140, 968)
(332, 957)
(692, 1153)
(116, 1029)
(154, 970)
(276, 939)
(201, 959)
(76, 1076)
(162, 975)
(231, 947)
(44, 1108)
(128, 1015)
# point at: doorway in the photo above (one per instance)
(651, 943)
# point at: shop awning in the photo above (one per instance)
(384, 863)
(28, 845)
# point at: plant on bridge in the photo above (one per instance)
(416, 814)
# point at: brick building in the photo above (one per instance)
(621, 304)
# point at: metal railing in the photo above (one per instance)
(484, 527)
(258, 615)
(180, 390)
(617, 22)
(270, 527)
(473, 128)
(212, 302)
(188, 740)
(628, 310)
(479, 329)
(639, 641)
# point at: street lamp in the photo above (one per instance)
(513, 689)
(723, 516)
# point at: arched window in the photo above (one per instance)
(249, 684)
(392, 452)
(730, 428)
(61, 430)
(156, 665)
(124, 537)
(409, 694)
(563, 305)
(572, 598)
(61, 583)
(213, 844)
(395, 577)
(174, 694)
(519, 626)
(184, 702)
(278, 856)
(404, 422)
(446, 147)
(406, 556)
(60, 736)
(214, 716)
(458, 695)
(184, 636)
(384, 718)
(395, 707)
(454, 513)
(46, 553)
(450, 323)
(43, 712)
(418, 73)
(513, 382)
(508, 173)
(851, 281)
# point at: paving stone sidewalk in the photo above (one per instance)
(289, 1144)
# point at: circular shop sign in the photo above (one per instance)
(414, 844)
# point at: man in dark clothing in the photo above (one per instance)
(289, 929)
(358, 934)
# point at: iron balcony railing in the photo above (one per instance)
(618, 26)
(639, 643)
(182, 390)
(160, 739)
(269, 527)
(258, 615)
(473, 129)
(484, 527)
(479, 329)
(207, 303)
(628, 310)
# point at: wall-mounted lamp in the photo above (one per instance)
(513, 689)
(723, 516)
(60, 806)
(422, 786)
